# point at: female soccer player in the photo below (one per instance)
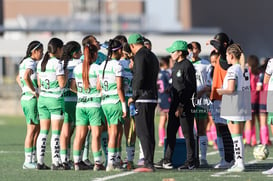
(88, 110)
(51, 80)
(113, 99)
(27, 80)
(201, 116)
(236, 102)
(71, 57)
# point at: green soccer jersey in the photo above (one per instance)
(48, 79)
(87, 97)
(28, 63)
(109, 82)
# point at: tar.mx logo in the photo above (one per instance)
(202, 101)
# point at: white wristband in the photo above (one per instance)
(124, 107)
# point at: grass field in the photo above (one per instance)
(12, 134)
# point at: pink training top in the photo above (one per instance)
(253, 85)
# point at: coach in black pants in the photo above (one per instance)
(181, 109)
(145, 71)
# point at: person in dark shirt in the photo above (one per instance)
(181, 112)
(145, 71)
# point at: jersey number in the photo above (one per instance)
(105, 85)
(80, 88)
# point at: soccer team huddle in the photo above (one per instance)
(76, 89)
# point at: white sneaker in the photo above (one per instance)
(224, 164)
(29, 165)
(237, 168)
(268, 172)
(167, 165)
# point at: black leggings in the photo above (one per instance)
(186, 121)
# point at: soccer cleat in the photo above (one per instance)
(113, 167)
(268, 172)
(237, 168)
(224, 164)
(110, 167)
(98, 167)
(87, 162)
(71, 164)
(81, 166)
(29, 165)
(42, 166)
(186, 166)
(128, 165)
(56, 167)
(66, 166)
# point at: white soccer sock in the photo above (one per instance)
(203, 142)
(130, 150)
(111, 157)
(238, 149)
(221, 149)
(141, 154)
(41, 147)
(28, 155)
(63, 154)
(55, 148)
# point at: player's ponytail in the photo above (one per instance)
(90, 56)
(52, 47)
(114, 45)
(69, 49)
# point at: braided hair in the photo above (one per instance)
(114, 46)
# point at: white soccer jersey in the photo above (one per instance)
(108, 82)
(69, 95)
(48, 79)
(269, 71)
(90, 97)
(127, 78)
(28, 63)
(237, 106)
(201, 71)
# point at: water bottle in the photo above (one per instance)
(132, 109)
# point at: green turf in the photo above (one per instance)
(12, 133)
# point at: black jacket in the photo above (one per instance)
(145, 71)
(183, 82)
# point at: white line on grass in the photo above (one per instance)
(114, 176)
